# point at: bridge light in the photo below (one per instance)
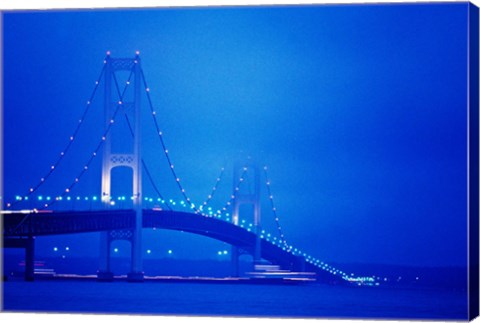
(94, 198)
(219, 253)
(225, 252)
(112, 203)
(137, 52)
(68, 198)
(67, 248)
(149, 251)
(115, 250)
(169, 251)
(48, 198)
(55, 249)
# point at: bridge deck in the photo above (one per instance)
(41, 224)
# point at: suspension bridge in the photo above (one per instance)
(26, 216)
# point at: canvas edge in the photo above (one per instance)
(473, 161)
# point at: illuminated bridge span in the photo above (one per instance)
(18, 227)
(25, 217)
(118, 220)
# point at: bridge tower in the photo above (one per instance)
(253, 199)
(132, 160)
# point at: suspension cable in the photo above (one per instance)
(99, 145)
(143, 161)
(274, 209)
(67, 147)
(165, 150)
(235, 192)
(214, 189)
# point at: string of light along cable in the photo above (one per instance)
(214, 189)
(165, 150)
(95, 152)
(274, 209)
(147, 171)
(62, 154)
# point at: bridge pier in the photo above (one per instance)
(29, 245)
(235, 261)
(30, 259)
(136, 273)
(104, 272)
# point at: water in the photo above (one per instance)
(210, 299)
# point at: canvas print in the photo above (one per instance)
(301, 161)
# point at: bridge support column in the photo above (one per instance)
(235, 261)
(136, 273)
(28, 244)
(104, 272)
(30, 259)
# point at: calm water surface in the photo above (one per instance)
(314, 300)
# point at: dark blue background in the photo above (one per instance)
(359, 111)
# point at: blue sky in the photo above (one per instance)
(358, 110)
